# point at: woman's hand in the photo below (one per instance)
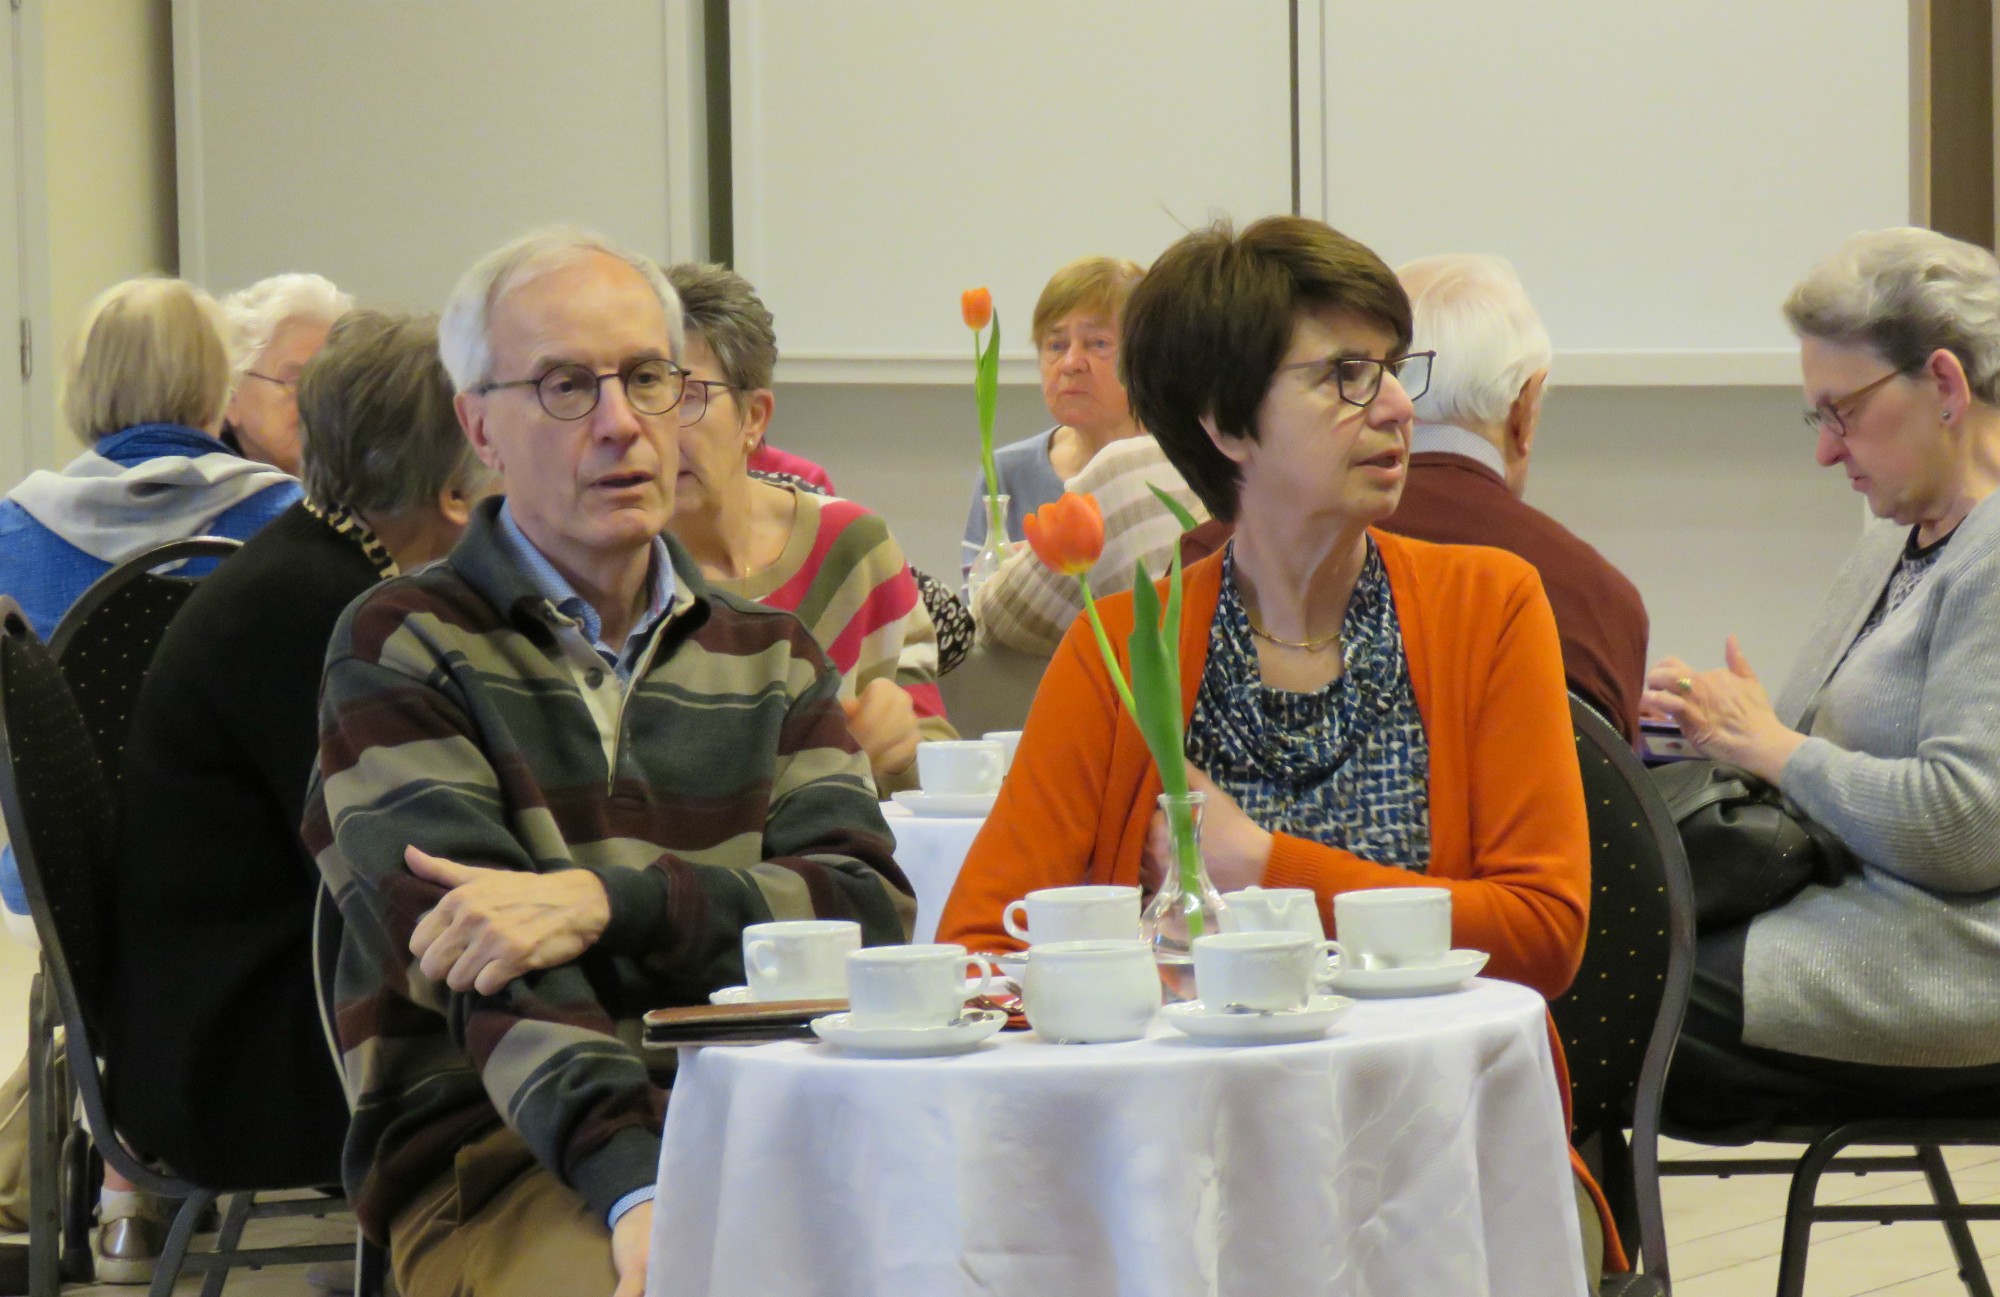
(1232, 845)
(884, 722)
(1725, 714)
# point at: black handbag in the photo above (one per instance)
(1748, 848)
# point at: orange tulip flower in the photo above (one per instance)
(1068, 534)
(976, 305)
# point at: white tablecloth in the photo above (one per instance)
(930, 852)
(1417, 1150)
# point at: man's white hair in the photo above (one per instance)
(1473, 312)
(464, 341)
(255, 313)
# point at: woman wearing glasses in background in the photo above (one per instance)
(829, 560)
(1857, 998)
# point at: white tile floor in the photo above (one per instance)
(1723, 1235)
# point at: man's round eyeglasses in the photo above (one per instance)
(1359, 378)
(289, 386)
(694, 402)
(1832, 415)
(570, 392)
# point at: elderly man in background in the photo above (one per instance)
(1469, 467)
(212, 1022)
(276, 325)
(558, 774)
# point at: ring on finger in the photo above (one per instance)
(1684, 686)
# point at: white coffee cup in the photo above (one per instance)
(912, 986)
(799, 959)
(1089, 913)
(1394, 927)
(960, 767)
(1091, 992)
(1272, 972)
(1277, 909)
(1008, 741)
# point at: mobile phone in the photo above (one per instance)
(1662, 741)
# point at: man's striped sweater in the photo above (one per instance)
(462, 713)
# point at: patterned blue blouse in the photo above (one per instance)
(1347, 765)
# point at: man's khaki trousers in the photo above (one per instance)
(500, 1225)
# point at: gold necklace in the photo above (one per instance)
(1307, 644)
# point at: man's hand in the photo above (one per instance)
(631, 1244)
(496, 924)
(1233, 847)
(884, 722)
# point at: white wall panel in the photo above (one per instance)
(1661, 173)
(888, 153)
(388, 143)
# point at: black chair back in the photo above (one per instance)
(59, 817)
(105, 641)
(1621, 1016)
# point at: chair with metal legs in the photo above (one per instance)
(59, 815)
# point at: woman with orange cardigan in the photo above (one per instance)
(1362, 710)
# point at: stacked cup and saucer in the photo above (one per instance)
(909, 1002)
(1061, 914)
(1398, 943)
(960, 779)
(1266, 982)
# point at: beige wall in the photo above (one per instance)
(108, 108)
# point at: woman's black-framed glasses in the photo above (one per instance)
(694, 403)
(1360, 377)
(570, 392)
(1829, 417)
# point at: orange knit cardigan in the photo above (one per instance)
(1508, 835)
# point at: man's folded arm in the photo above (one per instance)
(827, 854)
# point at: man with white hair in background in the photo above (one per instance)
(276, 325)
(558, 775)
(1469, 468)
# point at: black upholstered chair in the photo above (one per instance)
(105, 642)
(1622, 1014)
(59, 814)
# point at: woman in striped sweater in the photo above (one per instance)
(830, 561)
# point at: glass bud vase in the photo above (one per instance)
(1187, 905)
(993, 550)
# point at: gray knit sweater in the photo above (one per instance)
(1898, 964)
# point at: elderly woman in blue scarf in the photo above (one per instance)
(148, 384)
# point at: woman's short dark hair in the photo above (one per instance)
(376, 425)
(1207, 328)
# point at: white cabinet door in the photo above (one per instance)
(389, 143)
(887, 153)
(1661, 173)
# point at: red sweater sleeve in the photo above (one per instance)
(1521, 891)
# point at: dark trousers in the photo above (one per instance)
(1733, 1092)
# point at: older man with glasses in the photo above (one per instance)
(558, 775)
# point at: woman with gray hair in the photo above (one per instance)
(276, 326)
(1874, 990)
(212, 1011)
(829, 560)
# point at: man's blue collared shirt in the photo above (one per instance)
(551, 585)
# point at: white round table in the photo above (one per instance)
(1419, 1149)
(930, 851)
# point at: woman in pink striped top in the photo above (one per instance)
(829, 561)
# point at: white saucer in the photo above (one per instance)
(1197, 1021)
(732, 995)
(966, 806)
(838, 1030)
(1014, 965)
(1448, 974)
